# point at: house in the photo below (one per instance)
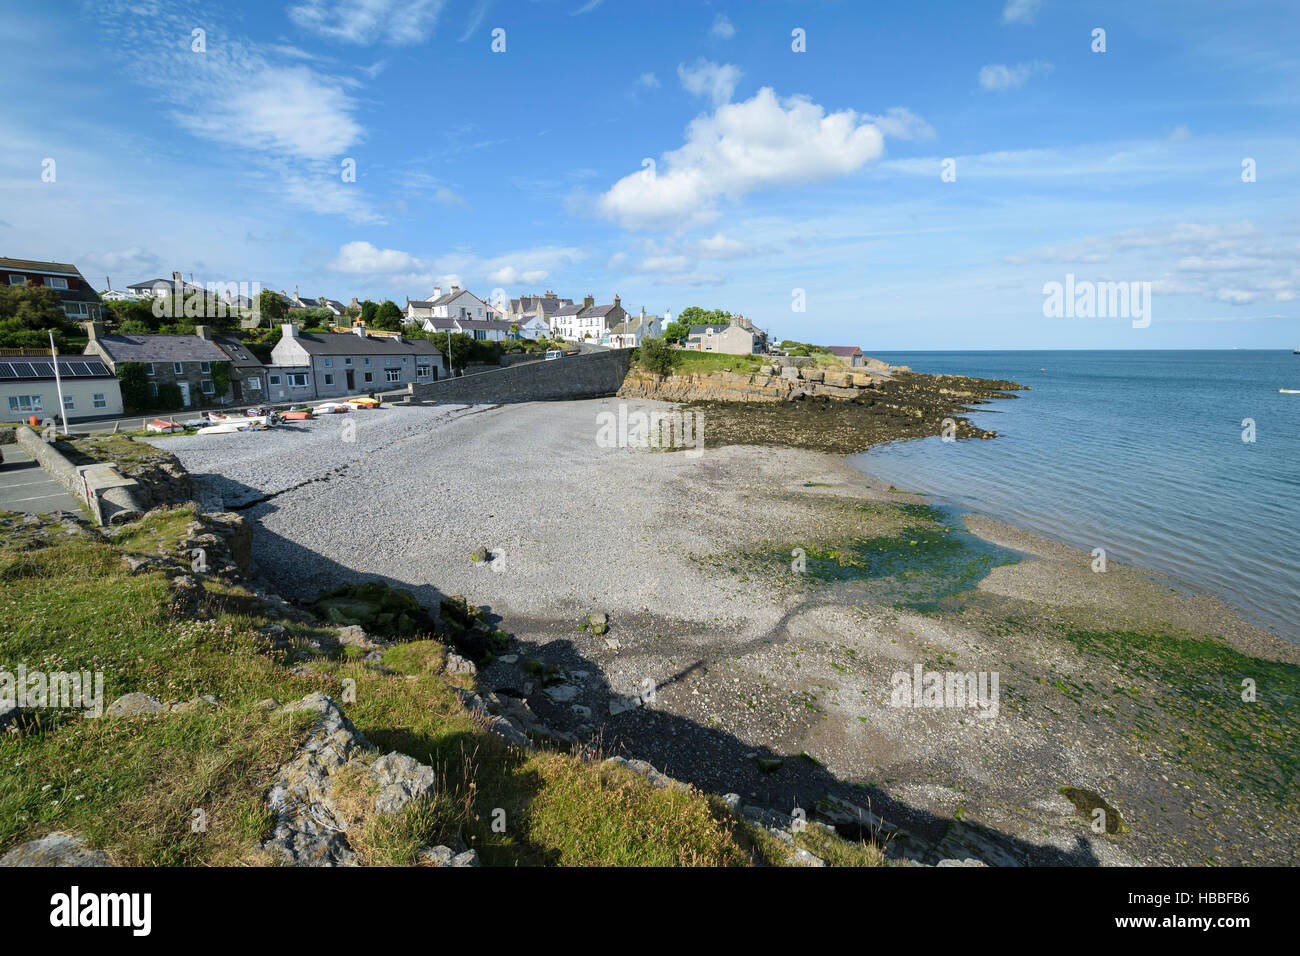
(633, 331)
(457, 304)
(28, 387)
(540, 306)
(247, 374)
(163, 288)
(312, 365)
(80, 301)
(587, 321)
(531, 326)
(730, 339)
(481, 329)
(184, 360)
(850, 355)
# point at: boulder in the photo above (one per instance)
(55, 849)
(134, 704)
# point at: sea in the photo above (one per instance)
(1182, 462)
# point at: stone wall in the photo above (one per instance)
(109, 496)
(591, 375)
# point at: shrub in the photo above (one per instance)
(657, 356)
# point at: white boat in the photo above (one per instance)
(330, 408)
(227, 428)
(1289, 391)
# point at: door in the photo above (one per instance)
(351, 380)
(185, 394)
(237, 389)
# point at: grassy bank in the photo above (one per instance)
(135, 786)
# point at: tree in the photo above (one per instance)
(658, 356)
(271, 307)
(135, 385)
(388, 318)
(694, 315)
(677, 331)
(28, 314)
(134, 317)
(368, 310)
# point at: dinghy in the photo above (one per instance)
(164, 426)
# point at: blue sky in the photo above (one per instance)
(774, 170)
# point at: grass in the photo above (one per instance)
(189, 789)
(702, 363)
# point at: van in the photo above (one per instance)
(553, 354)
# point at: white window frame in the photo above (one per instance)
(392, 375)
(329, 378)
(370, 378)
(100, 400)
(26, 403)
(69, 403)
(22, 279)
(254, 383)
(273, 380)
(54, 283)
(208, 387)
(178, 368)
(293, 380)
(205, 367)
(148, 368)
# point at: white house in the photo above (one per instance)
(306, 366)
(588, 321)
(457, 304)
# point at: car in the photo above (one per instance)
(553, 354)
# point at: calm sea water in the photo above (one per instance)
(1140, 453)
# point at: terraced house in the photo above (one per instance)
(312, 365)
(190, 362)
(28, 388)
(80, 301)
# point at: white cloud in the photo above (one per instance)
(509, 275)
(1021, 11)
(587, 7)
(901, 123)
(706, 78)
(743, 147)
(997, 77)
(396, 22)
(718, 246)
(722, 28)
(362, 257)
(648, 80)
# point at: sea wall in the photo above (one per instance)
(591, 375)
(768, 384)
(110, 497)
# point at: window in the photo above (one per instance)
(254, 383)
(392, 374)
(56, 283)
(273, 379)
(148, 368)
(423, 371)
(329, 379)
(153, 389)
(367, 361)
(208, 387)
(25, 403)
(68, 403)
(178, 368)
(370, 377)
(15, 279)
(76, 310)
(327, 362)
(347, 361)
(298, 379)
(205, 367)
(101, 401)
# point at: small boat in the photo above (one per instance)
(297, 416)
(164, 425)
(330, 408)
(364, 402)
(1289, 391)
(229, 428)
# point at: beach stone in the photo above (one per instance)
(133, 705)
(55, 849)
(401, 780)
(562, 693)
(354, 635)
(460, 665)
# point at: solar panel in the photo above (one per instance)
(44, 369)
(97, 368)
(79, 368)
(24, 369)
(7, 370)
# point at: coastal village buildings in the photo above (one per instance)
(851, 355)
(456, 304)
(541, 307)
(183, 360)
(633, 331)
(587, 321)
(313, 365)
(732, 339)
(80, 301)
(247, 375)
(28, 387)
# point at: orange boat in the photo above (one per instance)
(296, 416)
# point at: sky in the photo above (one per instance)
(892, 176)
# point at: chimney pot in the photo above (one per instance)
(203, 332)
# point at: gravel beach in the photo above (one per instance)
(722, 660)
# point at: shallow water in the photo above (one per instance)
(1139, 453)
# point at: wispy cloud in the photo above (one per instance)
(722, 28)
(365, 22)
(1021, 11)
(706, 78)
(997, 77)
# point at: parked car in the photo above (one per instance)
(552, 354)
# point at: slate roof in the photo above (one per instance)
(569, 310)
(153, 284)
(238, 352)
(453, 323)
(349, 343)
(527, 303)
(846, 351)
(82, 293)
(159, 348)
(704, 329)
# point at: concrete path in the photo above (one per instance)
(26, 486)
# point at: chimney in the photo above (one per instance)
(643, 313)
(588, 301)
(616, 300)
(289, 330)
(203, 332)
(359, 329)
(178, 283)
(93, 329)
